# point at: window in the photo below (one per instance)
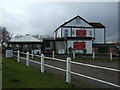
(90, 33)
(82, 28)
(78, 21)
(73, 32)
(48, 44)
(66, 33)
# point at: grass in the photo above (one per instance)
(17, 75)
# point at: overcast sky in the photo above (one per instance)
(44, 17)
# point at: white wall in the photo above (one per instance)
(74, 30)
(88, 45)
(99, 36)
(60, 45)
(59, 33)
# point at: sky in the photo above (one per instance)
(44, 17)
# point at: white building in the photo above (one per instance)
(79, 34)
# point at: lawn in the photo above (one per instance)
(17, 75)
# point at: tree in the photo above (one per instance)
(38, 36)
(5, 36)
(70, 50)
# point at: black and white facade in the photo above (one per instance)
(79, 34)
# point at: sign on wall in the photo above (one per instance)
(79, 45)
(81, 33)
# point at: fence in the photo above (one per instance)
(94, 55)
(68, 67)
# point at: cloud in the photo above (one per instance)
(44, 17)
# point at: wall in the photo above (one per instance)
(74, 31)
(60, 45)
(99, 36)
(82, 23)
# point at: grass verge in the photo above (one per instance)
(17, 75)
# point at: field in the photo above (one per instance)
(17, 75)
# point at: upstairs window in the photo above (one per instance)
(90, 33)
(73, 32)
(77, 21)
(66, 33)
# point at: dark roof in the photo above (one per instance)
(94, 25)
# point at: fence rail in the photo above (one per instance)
(68, 67)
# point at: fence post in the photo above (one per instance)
(32, 54)
(42, 63)
(18, 56)
(110, 55)
(27, 59)
(73, 55)
(53, 54)
(68, 70)
(93, 55)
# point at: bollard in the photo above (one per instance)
(93, 55)
(53, 54)
(68, 70)
(27, 59)
(42, 63)
(73, 55)
(18, 56)
(110, 55)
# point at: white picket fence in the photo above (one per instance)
(68, 67)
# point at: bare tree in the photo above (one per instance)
(38, 36)
(5, 36)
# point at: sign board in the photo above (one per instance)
(79, 45)
(81, 33)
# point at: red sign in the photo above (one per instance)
(81, 33)
(79, 45)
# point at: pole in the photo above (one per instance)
(42, 63)
(68, 70)
(53, 54)
(18, 56)
(27, 59)
(110, 55)
(32, 54)
(73, 55)
(93, 55)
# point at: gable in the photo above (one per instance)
(78, 22)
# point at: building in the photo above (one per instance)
(76, 34)
(26, 43)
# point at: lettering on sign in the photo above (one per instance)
(81, 33)
(79, 45)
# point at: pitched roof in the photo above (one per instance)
(26, 38)
(95, 25)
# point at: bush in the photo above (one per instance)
(102, 49)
